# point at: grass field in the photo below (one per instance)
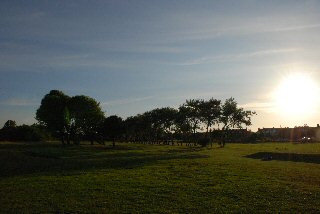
(133, 178)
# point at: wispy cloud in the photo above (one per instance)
(233, 57)
(259, 106)
(38, 62)
(129, 46)
(297, 27)
(20, 102)
(26, 17)
(245, 29)
(126, 101)
(207, 25)
(185, 95)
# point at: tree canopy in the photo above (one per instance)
(70, 116)
(51, 112)
(10, 124)
(233, 116)
(112, 128)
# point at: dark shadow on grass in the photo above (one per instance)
(58, 160)
(268, 156)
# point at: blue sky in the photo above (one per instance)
(133, 56)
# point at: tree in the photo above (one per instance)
(129, 128)
(12, 132)
(168, 116)
(136, 127)
(86, 117)
(150, 126)
(8, 132)
(64, 116)
(162, 122)
(10, 124)
(210, 112)
(51, 113)
(233, 116)
(145, 127)
(113, 128)
(191, 109)
(182, 126)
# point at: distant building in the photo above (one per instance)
(299, 133)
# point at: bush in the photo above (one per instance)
(253, 138)
(204, 141)
(24, 133)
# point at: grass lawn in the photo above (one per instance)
(133, 178)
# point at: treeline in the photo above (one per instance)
(81, 118)
(195, 121)
(12, 132)
(72, 119)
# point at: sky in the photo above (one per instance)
(134, 56)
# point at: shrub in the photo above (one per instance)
(204, 141)
(24, 133)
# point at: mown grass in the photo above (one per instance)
(132, 178)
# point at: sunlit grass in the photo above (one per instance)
(157, 179)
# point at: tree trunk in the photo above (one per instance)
(68, 139)
(62, 139)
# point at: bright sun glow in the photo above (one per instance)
(297, 95)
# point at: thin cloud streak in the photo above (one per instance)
(126, 101)
(237, 31)
(260, 106)
(191, 95)
(129, 47)
(27, 17)
(20, 102)
(298, 27)
(233, 57)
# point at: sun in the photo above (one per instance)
(297, 95)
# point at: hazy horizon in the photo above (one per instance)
(135, 56)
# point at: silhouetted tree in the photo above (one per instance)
(82, 117)
(210, 112)
(146, 127)
(78, 116)
(193, 113)
(233, 116)
(162, 122)
(130, 128)
(183, 127)
(138, 128)
(86, 116)
(12, 132)
(190, 117)
(168, 116)
(8, 132)
(51, 113)
(113, 128)
(10, 124)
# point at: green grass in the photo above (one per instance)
(132, 178)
